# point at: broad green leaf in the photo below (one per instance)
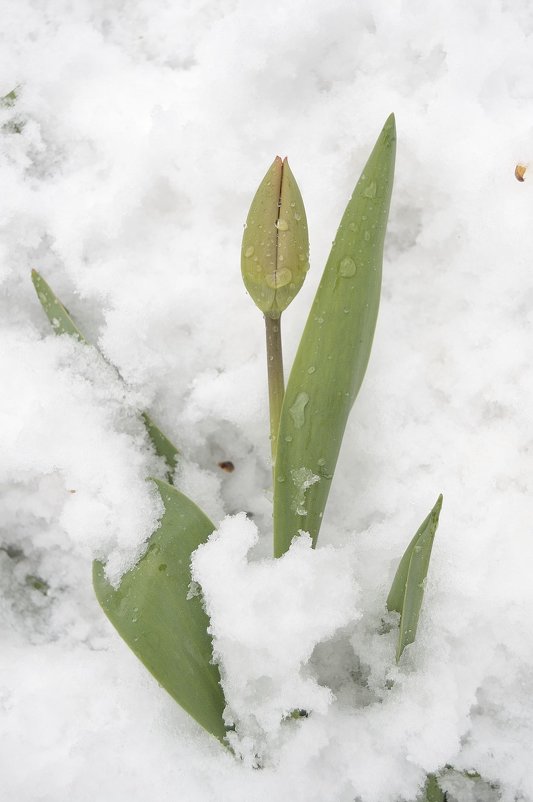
(62, 323)
(163, 623)
(334, 350)
(407, 590)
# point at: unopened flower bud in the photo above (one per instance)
(275, 245)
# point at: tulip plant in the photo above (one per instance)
(152, 608)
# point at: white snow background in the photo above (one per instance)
(147, 127)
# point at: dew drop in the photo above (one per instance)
(347, 267)
(367, 235)
(282, 224)
(297, 411)
(297, 216)
(311, 369)
(321, 461)
(279, 279)
(249, 251)
(370, 191)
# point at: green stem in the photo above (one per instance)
(276, 384)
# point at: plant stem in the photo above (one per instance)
(276, 384)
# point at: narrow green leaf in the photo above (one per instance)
(432, 791)
(334, 350)
(396, 595)
(407, 591)
(8, 101)
(14, 125)
(163, 446)
(56, 313)
(62, 323)
(163, 623)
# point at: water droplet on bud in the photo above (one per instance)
(278, 279)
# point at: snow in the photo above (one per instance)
(147, 127)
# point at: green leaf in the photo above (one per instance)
(163, 446)
(8, 101)
(334, 350)
(165, 625)
(56, 313)
(432, 791)
(407, 590)
(14, 125)
(62, 323)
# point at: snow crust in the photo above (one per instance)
(127, 165)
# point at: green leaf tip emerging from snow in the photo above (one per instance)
(62, 323)
(333, 354)
(9, 100)
(55, 311)
(407, 590)
(432, 791)
(162, 622)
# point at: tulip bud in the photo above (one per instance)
(275, 244)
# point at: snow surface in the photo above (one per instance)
(147, 127)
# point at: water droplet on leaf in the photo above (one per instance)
(297, 411)
(370, 191)
(347, 267)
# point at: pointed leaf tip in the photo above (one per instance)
(407, 591)
(348, 300)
